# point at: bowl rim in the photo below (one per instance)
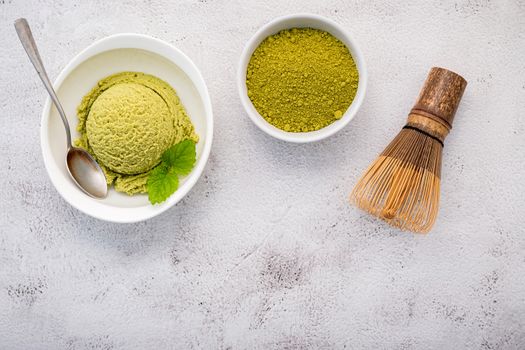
(329, 130)
(94, 207)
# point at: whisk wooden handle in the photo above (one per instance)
(440, 96)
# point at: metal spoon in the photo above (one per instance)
(84, 170)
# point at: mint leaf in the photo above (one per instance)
(163, 180)
(181, 157)
(161, 183)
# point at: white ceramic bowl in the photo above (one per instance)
(117, 53)
(301, 21)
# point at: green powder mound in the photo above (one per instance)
(301, 79)
(127, 122)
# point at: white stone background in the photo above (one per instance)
(265, 252)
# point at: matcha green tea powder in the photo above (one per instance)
(301, 79)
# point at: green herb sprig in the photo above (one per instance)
(163, 181)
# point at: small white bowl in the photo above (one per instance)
(117, 53)
(302, 21)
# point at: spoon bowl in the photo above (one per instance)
(86, 173)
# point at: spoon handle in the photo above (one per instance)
(26, 37)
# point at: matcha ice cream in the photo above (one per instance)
(126, 122)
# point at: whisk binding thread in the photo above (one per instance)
(424, 133)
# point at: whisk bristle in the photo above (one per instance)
(402, 185)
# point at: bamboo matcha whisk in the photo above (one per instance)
(402, 185)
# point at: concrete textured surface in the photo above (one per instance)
(265, 252)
